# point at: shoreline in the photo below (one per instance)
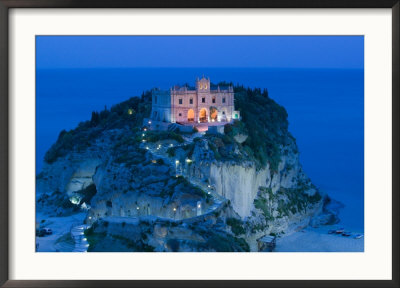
(318, 240)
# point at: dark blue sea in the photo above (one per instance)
(325, 107)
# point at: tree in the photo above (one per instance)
(94, 121)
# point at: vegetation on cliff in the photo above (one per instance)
(128, 114)
(265, 122)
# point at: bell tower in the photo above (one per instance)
(203, 84)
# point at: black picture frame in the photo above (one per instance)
(5, 5)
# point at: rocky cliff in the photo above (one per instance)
(242, 184)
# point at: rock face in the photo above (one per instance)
(129, 181)
(199, 234)
(280, 201)
(214, 182)
(239, 184)
(132, 181)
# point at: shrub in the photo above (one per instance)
(228, 128)
(236, 226)
(266, 124)
(171, 152)
(261, 203)
(86, 132)
(155, 136)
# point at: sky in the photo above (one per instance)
(58, 52)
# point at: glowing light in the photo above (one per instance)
(143, 135)
(90, 217)
(137, 208)
(209, 186)
(171, 145)
(188, 160)
(208, 192)
(154, 161)
(149, 122)
(147, 147)
(75, 200)
(199, 206)
(130, 111)
(174, 209)
(177, 162)
(84, 239)
(143, 141)
(145, 129)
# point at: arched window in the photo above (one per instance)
(190, 115)
(203, 115)
(213, 114)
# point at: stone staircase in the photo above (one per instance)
(77, 233)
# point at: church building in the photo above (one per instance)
(191, 105)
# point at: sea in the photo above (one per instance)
(325, 108)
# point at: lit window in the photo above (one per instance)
(223, 100)
(205, 86)
(203, 100)
(180, 101)
(191, 100)
(201, 86)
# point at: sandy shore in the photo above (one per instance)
(318, 240)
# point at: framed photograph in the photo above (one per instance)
(236, 143)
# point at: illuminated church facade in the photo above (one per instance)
(200, 104)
